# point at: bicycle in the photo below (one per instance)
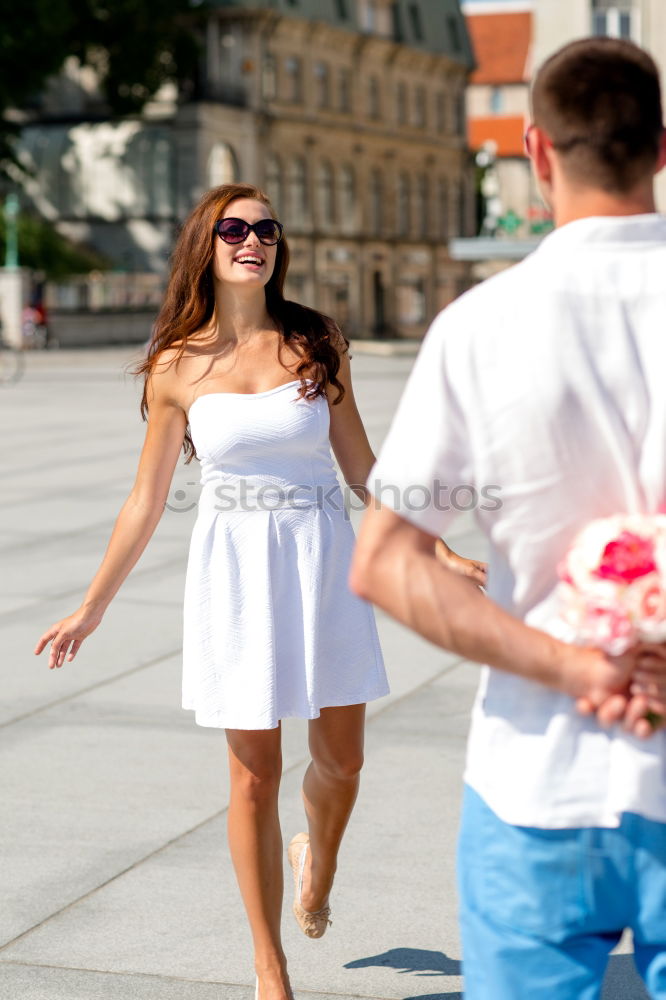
(12, 363)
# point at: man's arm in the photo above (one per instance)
(394, 566)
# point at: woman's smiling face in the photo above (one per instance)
(248, 263)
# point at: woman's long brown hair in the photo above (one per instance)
(189, 303)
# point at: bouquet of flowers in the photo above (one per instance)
(613, 583)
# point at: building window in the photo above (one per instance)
(347, 203)
(401, 103)
(422, 206)
(322, 82)
(269, 77)
(440, 113)
(614, 20)
(292, 67)
(297, 287)
(415, 23)
(221, 165)
(298, 192)
(325, 205)
(411, 302)
(274, 181)
(367, 10)
(376, 202)
(443, 199)
(403, 197)
(460, 113)
(420, 107)
(374, 105)
(344, 90)
(454, 32)
(496, 101)
(375, 17)
(148, 155)
(458, 210)
(625, 24)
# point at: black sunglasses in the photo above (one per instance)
(267, 231)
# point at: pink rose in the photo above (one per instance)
(609, 628)
(627, 558)
(646, 603)
(613, 582)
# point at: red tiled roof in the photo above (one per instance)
(501, 45)
(506, 130)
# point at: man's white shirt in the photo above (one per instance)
(540, 396)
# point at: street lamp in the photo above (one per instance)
(11, 238)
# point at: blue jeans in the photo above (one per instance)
(542, 909)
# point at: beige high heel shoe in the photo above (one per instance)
(314, 924)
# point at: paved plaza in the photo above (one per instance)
(116, 878)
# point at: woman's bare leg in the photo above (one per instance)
(330, 788)
(255, 764)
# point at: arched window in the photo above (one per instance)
(298, 192)
(347, 202)
(221, 165)
(274, 181)
(403, 196)
(376, 202)
(422, 206)
(325, 200)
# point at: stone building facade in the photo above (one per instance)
(349, 113)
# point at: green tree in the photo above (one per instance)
(135, 46)
(43, 248)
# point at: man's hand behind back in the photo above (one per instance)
(641, 707)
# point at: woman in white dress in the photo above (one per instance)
(259, 389)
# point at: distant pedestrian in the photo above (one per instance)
(259, 388)
(549, 382)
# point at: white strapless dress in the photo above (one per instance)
(270, 626)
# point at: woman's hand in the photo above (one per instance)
(477, 571)
(74, 630)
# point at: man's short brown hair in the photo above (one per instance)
(599, 102)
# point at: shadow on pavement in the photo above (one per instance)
(413, 960)
(622, 982)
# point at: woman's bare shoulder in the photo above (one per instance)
(172, 372)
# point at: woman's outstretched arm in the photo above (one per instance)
(134, 525)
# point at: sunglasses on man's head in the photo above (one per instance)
(267, 231)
